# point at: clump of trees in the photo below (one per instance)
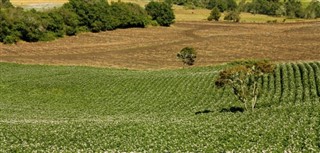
(161, 12)
(74, 17)
(243, 79)
(187, 55)
(222, 5)
(288, 8)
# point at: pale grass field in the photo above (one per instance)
(183, 14)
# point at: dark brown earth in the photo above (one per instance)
(156, 47)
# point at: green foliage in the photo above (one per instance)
(73, 17)
(32, 26)
(70, 20)
(11, 39)
(5, 4)
(293, 9)
(233, 16)
(129, 15)
(243, 80)
(313, 10)
(187, 55)
(59, 109)
(215, 14)
(222, 5)
(194, 3)
(161, 12)
(265, 7)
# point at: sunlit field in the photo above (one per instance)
(83, 109)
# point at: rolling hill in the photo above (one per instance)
(83, 109)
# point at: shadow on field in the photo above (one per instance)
(223, 110)
(232, 110)
(203, 112)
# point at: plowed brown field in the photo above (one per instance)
(156, 47)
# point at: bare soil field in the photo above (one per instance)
(156, 47)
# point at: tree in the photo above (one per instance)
(215, 14)
(161, 12)
(243, 79)
(220, 4)
(92, 14)
(71, 21)
(268, 7)
(313, 10)
(233, 16)
(187, 55)
(129, 15)
(293, 9)
(5, 4)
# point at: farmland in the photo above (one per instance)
(59, 108)
(156, 47)
(125, 90)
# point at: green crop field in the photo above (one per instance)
(83, 109)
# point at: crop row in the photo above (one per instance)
(292, 83)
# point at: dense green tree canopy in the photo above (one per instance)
(161, 12)
(73, 17)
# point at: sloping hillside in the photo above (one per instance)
(82, 109)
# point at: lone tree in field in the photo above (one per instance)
(187, 55)
(243, 80)
(215, 14)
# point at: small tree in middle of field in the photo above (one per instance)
(243, 79)
(187, 55)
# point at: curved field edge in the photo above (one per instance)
(60, 108)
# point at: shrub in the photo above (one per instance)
(215, 14)
(10, 39)
(161, 12)
(187, 55)
(233, 16)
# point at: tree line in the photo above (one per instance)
(77, 16)
(288, 8)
